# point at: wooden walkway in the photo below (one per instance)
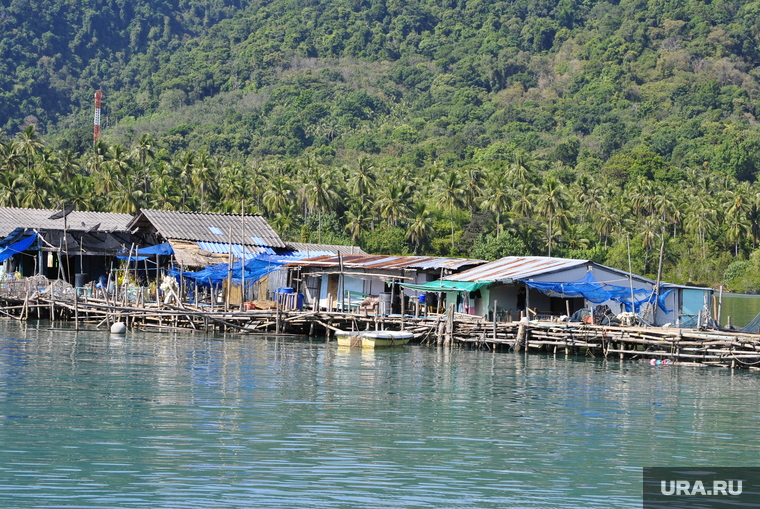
(735, 350)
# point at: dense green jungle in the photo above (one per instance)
(576, 128)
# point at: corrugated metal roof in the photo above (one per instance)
(39, 219)
(516, 267)
(385, 262)
(237, 249)
(215, 228)
(323, 249)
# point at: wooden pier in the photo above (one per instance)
(30, 299)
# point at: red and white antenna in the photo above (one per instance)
(98, 100)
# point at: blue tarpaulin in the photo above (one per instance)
(255, 269)
(593, 291)
(143, 253)
(18, 247)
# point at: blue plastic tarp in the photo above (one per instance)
(143, 253)
(593, 291)
(18, 247)
(255, 269)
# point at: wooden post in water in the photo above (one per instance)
(495, 304)
(25, 309)
(520, 337)
(76, 310)
(449, 325)
(403, 308)
(277, 313)
(527, 302)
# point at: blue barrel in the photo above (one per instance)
(299, 304)
(284, 290)
(421, 298)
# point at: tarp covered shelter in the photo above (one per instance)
(593, 291)
(254, 269)
(88, 239)
(17, 247)
(556, 285)
(205, 239)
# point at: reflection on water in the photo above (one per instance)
(167, 420)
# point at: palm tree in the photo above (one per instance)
(575, 236)
(588, 197)
(648, 236)
(80, 192)
(362, 182)
(284, 220)
(449, 193)
(164, 188)
(120, 160)
(738, 228)
(393, 202)
(231, 187)
(473, 187)
(10, 157)
(202, 175)
(97, 156)
(257, 180)
(10, 189)
(144, 150)
(701, 219)
(519, 169)
(551, 203)
(185, 168)
(34, 188)
(497, 197)
(421, 227)
(523, 200)
(29, 145)
(320, 191)
(356, 218)
(128, 199)
(68, 166)
(279, 195)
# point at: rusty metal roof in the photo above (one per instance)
(12, 218)
(323, 249)
(193, 226)
(516, 267)
(386, 262)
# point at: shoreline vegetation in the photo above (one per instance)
(659, 346)
(564, 128)
(707, 224)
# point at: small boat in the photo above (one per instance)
(348, 338)
(373, 339)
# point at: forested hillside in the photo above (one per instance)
(471, 128)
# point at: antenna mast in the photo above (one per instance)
(98, 100)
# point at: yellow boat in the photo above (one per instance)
(373, 339)
(346, 338)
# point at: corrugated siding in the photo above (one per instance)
(253, 231)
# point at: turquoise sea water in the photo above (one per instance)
(182, 420)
